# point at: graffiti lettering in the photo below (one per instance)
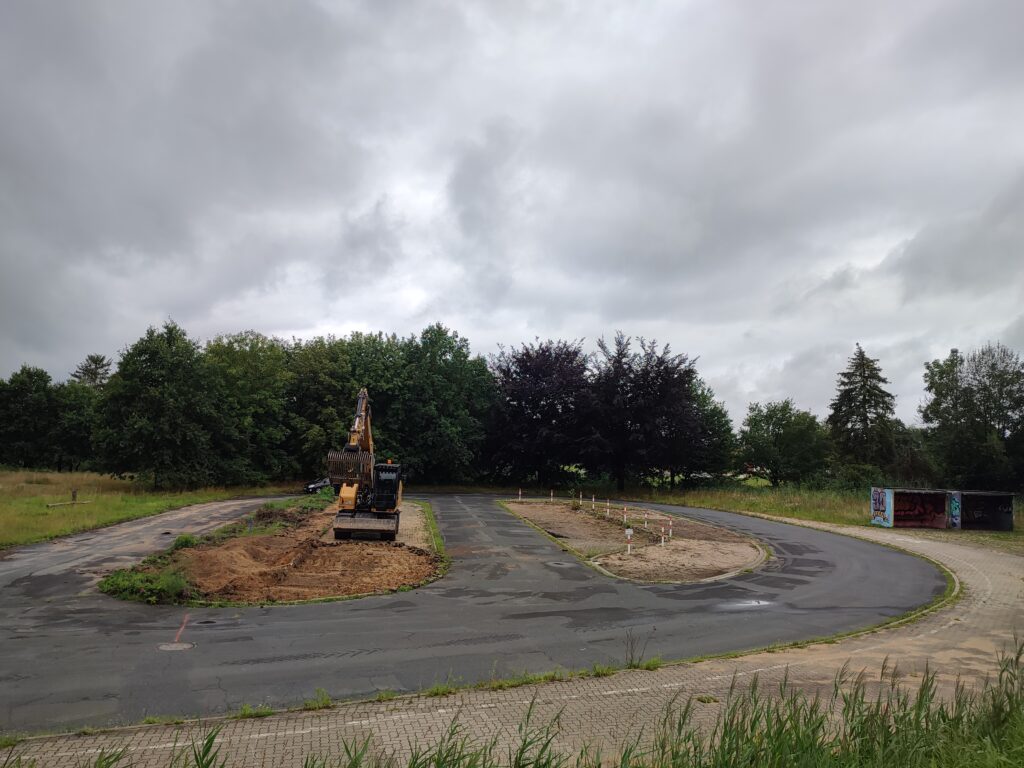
(919, 510)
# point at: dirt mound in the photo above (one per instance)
(267, 515)
(266, 568)
(300, 563)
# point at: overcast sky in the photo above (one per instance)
(760, 184)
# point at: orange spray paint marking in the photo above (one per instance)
(181, 629)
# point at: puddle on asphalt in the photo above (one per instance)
(743, 605)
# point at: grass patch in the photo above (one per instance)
(843, 507)
(25, 518)
(165, 586)
(601, 670)
(524, 678)
(446, 688)
(385, 695)
(648, 664)
(184, 541)
(248, 712)
(706, 699)
(8, 740)
(320, 700)
(436, 540)
(162, 720)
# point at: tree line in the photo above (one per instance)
(247, 409)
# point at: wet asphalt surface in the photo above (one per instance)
(512, 601)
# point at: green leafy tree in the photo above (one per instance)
(158, 416)
(71, 441)
(437, 422)
(321, 394)
(781, 443)
(94, 371)
(249, 380)
(715, 442)
(862, 418)
(28, 419)
(378, 362)
(975, 416)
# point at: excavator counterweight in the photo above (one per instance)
(368, 494)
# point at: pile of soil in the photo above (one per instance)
(696, 550)
(300, 563)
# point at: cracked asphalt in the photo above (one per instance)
(512, 602)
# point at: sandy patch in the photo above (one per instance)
(682, 560)
(694, 551)
(301, 563)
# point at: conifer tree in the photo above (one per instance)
(94, 371)
(862, 418)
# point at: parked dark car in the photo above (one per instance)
(318, 485)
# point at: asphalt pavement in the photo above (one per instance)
(512, 602)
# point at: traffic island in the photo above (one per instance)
(660, 548)
(281, 554)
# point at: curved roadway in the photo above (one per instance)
(513, 601)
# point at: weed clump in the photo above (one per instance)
(184, 541)
(247, 712)
(320, 700)
(167, 586)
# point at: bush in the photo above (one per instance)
(184, 541)
(165, 586)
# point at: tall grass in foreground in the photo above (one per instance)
(785, 728)
(25, 518)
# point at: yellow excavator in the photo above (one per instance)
(368, 494)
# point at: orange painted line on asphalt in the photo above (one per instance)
(181, 629)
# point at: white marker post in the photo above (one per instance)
(670, 527)
(645, 521)
(593, 504)
(552, 494)
(607, 507)
(629, 541)
(663, 535)
(623, 514)
(581, 499)
(520, 494)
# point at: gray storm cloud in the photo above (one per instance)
(762, 185)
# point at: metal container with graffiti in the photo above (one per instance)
(881, 507)
(985, 511)
(908, 508)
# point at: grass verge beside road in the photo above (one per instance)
(25, 518)
(837, 507)
(860, 723)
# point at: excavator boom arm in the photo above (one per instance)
(360, 437)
